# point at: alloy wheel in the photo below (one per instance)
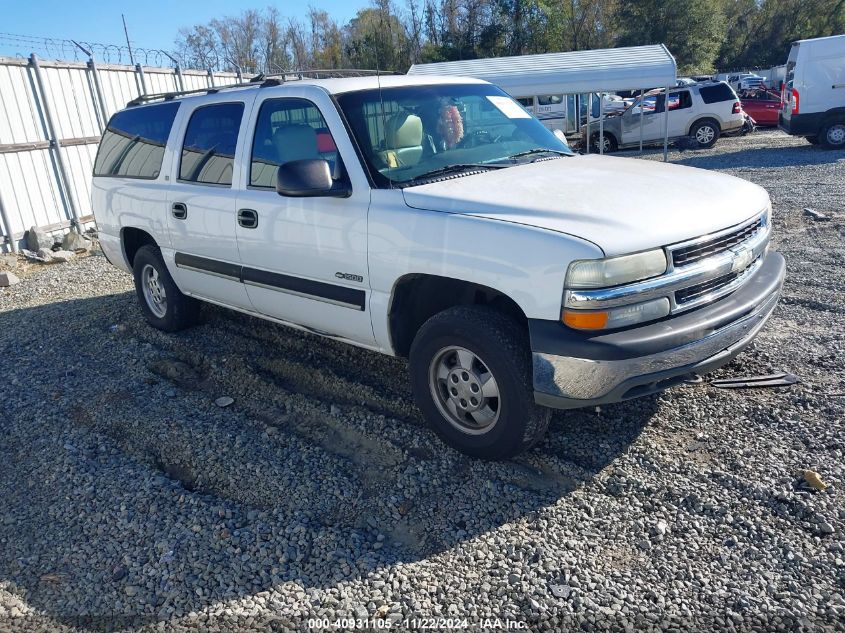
(154, 292)
(464, 389)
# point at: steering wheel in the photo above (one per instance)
(476, 138)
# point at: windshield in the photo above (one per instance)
(423, 132)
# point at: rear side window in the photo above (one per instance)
(134, 140)
(288, 130)
(208, 151)
(717, 92)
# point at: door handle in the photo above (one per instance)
(248, 218)
(179, 210)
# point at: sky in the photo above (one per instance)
(151, 23)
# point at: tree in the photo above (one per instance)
(701, 34)
(693, 30)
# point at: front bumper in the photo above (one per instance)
(577, 369)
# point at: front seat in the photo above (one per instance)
(295, 142)
(403, 140)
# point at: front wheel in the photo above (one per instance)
(706, 133)
(471, 376)
(606, 143)
(832, 135)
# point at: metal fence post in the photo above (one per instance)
(211, 79)
(104, 115)
(8, 237)
(180, 81)
(143, 82)
(666, 127)
(55, 143)
(601, 123)
(589, 115)
(642, 113)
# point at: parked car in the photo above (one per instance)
(444, 224)
(704, 111)
(762, 105)
(814, 91)
(752, 82)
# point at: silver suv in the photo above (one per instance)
(703, 111)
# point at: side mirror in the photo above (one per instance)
(309, 178)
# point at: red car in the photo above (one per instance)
(762, 105)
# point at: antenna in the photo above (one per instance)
(126, 33)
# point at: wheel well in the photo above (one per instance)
(606, 133)
(417, 298)
(832, 117)
(132, 240)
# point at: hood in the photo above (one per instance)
(622, 205)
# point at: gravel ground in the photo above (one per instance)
(130, 501)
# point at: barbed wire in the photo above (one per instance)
(72, 50)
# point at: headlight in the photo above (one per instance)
(615, 271)
(622, 316)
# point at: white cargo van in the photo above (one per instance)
(814, 91)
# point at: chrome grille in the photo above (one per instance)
(707, 248)
(699, 290)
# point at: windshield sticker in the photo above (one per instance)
(509, 107)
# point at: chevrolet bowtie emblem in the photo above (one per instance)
(742, 259)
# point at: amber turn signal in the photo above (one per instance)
(585, 320)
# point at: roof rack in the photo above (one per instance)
(167, 96)
(266, 80)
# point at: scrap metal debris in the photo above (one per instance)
(816, 215)
(815, 480)
(770, 380)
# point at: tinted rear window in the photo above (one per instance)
(717, 92)
(133, 143)
(208, 153)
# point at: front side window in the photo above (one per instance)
(654, 104)
(288, 130)
(412, 133)
(133, 143)
(208, 151)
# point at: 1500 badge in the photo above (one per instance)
(349, 277)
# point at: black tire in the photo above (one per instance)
(179, 311)
(813, 140)
(499, 346)
(832, 135)
(612, 145)
(699, 131)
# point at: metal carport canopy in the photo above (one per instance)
(607, 70)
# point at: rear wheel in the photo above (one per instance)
(471, 376)
(706, 133)
(832, 135)
(163, 304)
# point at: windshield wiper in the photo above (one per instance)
(539, 150)
(453, 169)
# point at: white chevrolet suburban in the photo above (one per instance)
(435, 219)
